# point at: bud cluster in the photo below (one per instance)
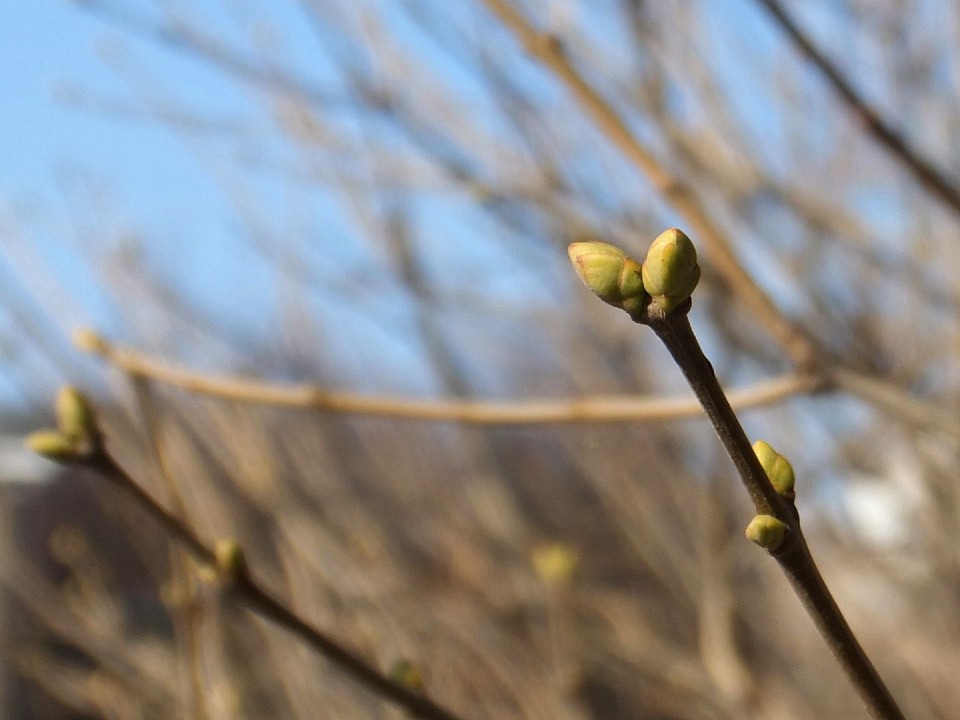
(665, 279)
(77, 436)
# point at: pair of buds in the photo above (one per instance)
(765, 530)
(77, 436)
(664, 280)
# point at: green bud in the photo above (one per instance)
(608, 272)
(407, 674)
(555, 562)
(670, 271)
(53, 445)
(766, 531)
(777, 468)
(229, 560)
(75, 416)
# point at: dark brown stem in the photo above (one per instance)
(793, 556)
(804, 575)
(675, 332)
(262, 601)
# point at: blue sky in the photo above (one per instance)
(74, 178)
(82, 166)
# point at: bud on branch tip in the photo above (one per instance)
(670, 270)
(77, 436)
(53, 445)
(75, 417)
(609, 273)
(229, 560)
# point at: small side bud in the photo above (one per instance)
(555, 562)
(229, 561)
(766, 531)
(76, 418)
(608, 272)
(404, 672)
(670, 270)
(53, 445)
(777, 468)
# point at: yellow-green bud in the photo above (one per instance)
(609, 273)
(53, 445)
(777, 468)
(229, 560)
(407, 674)
(670, 270)
(75, 417)
(766, 531)
(555, 562)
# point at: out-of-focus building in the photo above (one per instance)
(21, 474)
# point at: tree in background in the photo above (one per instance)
(436, 446)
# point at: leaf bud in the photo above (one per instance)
(53, 445)
(777, 468)
(229, 561)
(670, 270)
(405, 673)
(76, 418)
(555, 562)
(766, 531)
(608, 272)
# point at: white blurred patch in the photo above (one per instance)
(880, 509)
(20, 465)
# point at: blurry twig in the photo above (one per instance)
(78, 441)
(188, 617)
(896, 402)
(586, 409)
(880, 129)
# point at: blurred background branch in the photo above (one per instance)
(374, 199)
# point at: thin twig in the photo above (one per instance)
(262, 601)
(929, 177)
(793, 555)
(585, 409)
(189, 614)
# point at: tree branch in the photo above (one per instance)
(792, 554)
(585, 409)
(262, 601)
(930, 178)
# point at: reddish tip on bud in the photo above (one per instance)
(608, 272)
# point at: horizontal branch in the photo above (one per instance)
(529, 412)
